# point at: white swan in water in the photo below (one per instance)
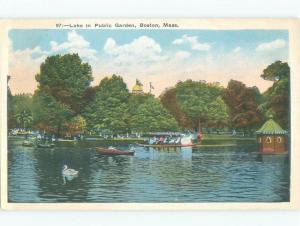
(69, 172)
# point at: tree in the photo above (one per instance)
(243, 103)
(219, 114)
(151, 116)
(66, 78)
(135, 100)
(276, 71)
(168, 99)
(194, 98)
(11, 121)
(277, 97)
(76, 125)
(24, 118)
(20, 110)
(63, 91)
(109, 110)
(50, 115)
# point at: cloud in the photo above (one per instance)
(144, 58)
(193, 42)
(269, 46)
(75, 44)
(23, 66)
(182, 55)
(141, 50)
(237, 49)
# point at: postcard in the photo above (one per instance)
(150, 114)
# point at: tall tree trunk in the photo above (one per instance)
(58, 131)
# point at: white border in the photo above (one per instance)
(294, 40)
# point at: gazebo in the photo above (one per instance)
(272, 138)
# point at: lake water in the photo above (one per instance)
(205, 174)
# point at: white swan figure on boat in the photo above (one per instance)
(187, 140)
(69, 172)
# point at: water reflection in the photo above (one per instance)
(205, 174)
(68, 178)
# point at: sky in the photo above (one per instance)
(162, 57)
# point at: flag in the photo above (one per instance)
(151, 86)
(138, 82)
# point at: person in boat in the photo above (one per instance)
(178, 140)
(200, 136)
(160, 140)
(167, 140)
(172, 140)
(152, 140)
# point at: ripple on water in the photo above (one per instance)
(211, 174)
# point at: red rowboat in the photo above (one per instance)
(113, 151)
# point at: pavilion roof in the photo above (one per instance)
(271, 127)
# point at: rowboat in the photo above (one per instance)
(27, 143)
(45, 145)
(113, 151)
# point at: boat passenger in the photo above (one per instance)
(166, 140)
(152, 141)
(200, 136)
(161, 140)
(172, 140)
(177, 141)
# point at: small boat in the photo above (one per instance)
(45, 145)
(112, 151)
(27, 143)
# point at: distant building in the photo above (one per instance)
(137, 88)
(272, 138)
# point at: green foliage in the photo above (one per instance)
(23, 118)
(65, 103)
(243, 103)
(22, 102)
(276, 71)
(50, 115)
(66, 78)
(20, 111)
(218, 114)
(194, 99)
(11, 122)
(277, 97)
(151, 116)
(63, 91)
(168, 99)
(135, 100)
(76, 125)
(109, 110)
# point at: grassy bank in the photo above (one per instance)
(225, 137)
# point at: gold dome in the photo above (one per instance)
(137, 88)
